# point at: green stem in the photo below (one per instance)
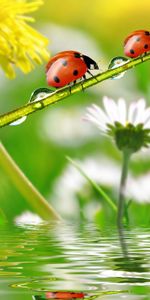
(3, 218)
(126, 158)
(63, 93)
(123, 243)
(94, 184)
(26, 188)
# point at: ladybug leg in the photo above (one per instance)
(71, 84)
(70, 88)
(82, 85)
(84, 77)
(144, 54)
(88, 71)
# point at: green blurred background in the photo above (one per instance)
(41, 143)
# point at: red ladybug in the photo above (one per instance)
(64, 295)
(137, 43)
(60, 296)
(68, 66)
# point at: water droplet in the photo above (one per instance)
(19, 121)
(37, 95)
(40, 94)
(117, 62)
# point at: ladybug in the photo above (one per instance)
(60, 295)
(68, 66)
(64, 295)
(137, 43)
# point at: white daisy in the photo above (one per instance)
(113, 112)
(129, 126)
(27, 218)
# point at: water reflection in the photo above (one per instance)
(134, 264)
(41, 259)
(60, 295)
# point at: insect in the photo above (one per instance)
(60, 295)
(64, 295)
(68, 66)
(137, 43)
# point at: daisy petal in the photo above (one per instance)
(140, 112)
(146, 115)
(147, 125)
(132, 113)
(137, 113)
(98, 113)
(95, 121)
(111, 109)
(122, 112)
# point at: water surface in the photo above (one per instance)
(70, 257)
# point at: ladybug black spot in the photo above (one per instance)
(75, 72)
(145, 46)
(132, 51)
(77, 55)
(56, 79)
(64, 63)
(147, 33)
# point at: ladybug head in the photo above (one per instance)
(90, 63)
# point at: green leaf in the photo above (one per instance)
(94, 184)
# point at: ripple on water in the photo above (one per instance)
(73, 258)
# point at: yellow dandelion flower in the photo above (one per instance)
(20, 44)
